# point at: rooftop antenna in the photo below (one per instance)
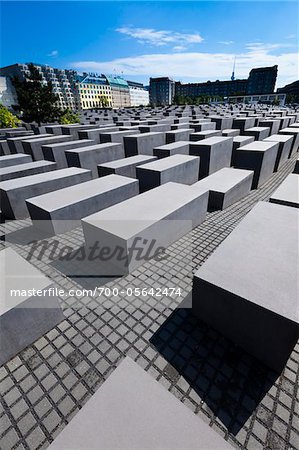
(233, 73)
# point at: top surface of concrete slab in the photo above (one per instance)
(288, 191)
(40, 178)
(128, 218)
(212, 140)
(166, 163)
(279, 138)
(254, 261)
(91, 148)
(137, 159)
(17, 273)
(132, 411)
(74, 194)
(223, 180)
(258, 146)
(172, 145)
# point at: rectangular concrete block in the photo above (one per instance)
(288, 192)
(259, 156)
(33, 147)
(274, 125)
(242, 123)
(125, 167)
(104, 421)
(177, 168)
(24, 170)
(56, 152)
(158, 217)
(293, 131)
(89, 157)
(117, 136)
(296, 168)
(94, 134)
(215, 153)
(14, 160)
(222, 122)
(4, 148)
(178, 135)
(226, 186)
(14, 193)
(205, 126)
(246, 289)
(259, 133)
(16, 144)
(230, 132)
(155, 128)
(284, 149)
(240, 141)
(200, 135)
(24, 318)
(60, 211)
(143, 144)
(176, 148)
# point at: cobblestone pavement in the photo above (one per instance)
(46, 384)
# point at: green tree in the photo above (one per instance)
(37, 101)
(7, 119)
(104, 101)
(68, 117)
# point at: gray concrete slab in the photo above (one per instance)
(242, 123)
(131, 408)
(117, 136)
(200, 135)
(24, 170)
(226, 186)
(259, 133)
(230, 132)
(14, 193)
(178, 168)
(60, 211)
(161, 127)
(205, 126)
(33, 147)
(56, 152)
(4, 148)
(222, 122)
(246, 289)
(178, 135)
(215, 153)
(294, 131)
(89, 157)
(240, 141)
(296, 168)
(24, 318)
(125, 166)
(176, 148)
(259, 156)
(94, 134)
(284, 149)
(16, 144)
(288, 192)
(154, 219)
(274, 125)
(13, 160)
(143, 144)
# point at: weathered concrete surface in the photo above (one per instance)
(33, 147)
(14, 193)
(200, 135)
(144, 143)
(178, 135)
(215, 153)
(23, 318)
(157, 218)
(246, 289)
(226, 186)
(13, 160)
(89, 157)
(125, 167)
(16, 144)
(259, 133)
(132, 408)
(288, 192)
(284, 149)
(259, 156)
(176, 148)
(23, 170)
(60, 211)
(56, 152)
(294, 131)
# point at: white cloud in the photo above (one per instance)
(53, 53)
(291, 36)
(160, 37)
(226, 42)
(180, 48)
(192, 66)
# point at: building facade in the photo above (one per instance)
(292, 91)
(262, 98)
(94, 91)
(63, 81)
(262, 80)
(119, 90)
(162, 91)
(139, 96)
(8, 95)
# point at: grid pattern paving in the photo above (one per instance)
(44, 386)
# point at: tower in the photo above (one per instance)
(233, 73)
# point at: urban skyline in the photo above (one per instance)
(137, 40)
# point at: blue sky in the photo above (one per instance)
(190, 41)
